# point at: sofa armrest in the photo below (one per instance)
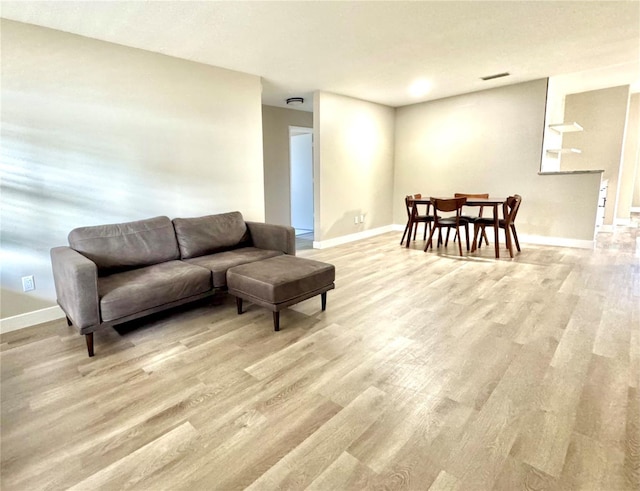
(273, 237)
(76, 281)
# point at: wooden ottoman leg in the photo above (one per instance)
(239, 305)
(276, 321)
(323, 296)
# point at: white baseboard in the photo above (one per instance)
(365, 234)
(605, 228)
(623, 222)
(635, 209)
(30, 319)
(539, 240)
(556, 241)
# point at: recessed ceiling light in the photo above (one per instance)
(497, 75)
(420, 87)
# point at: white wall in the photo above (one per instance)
(275, 124)
(302, 181)
(94, 132)
(491, 141)
(602, 113)
(630, 171)
(353, 159)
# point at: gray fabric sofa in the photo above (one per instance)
(111, 274)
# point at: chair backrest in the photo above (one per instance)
(511, 207)
(471, 195)
(448, 204)
(417, 196)
(468, 195)
(408, 203)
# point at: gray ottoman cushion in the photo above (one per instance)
(281, 279)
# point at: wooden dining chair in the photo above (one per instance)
(509, 212)
(473, 218)
(447, 205)
(417, 218)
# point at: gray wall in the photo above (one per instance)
(353, 157)
(602, 114)
(491, 141)
(94, 132)
(275, 124)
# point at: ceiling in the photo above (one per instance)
(369, 50)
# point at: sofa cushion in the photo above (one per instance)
(127, 245)
(211, 233)
(219, 263)
(133, 291)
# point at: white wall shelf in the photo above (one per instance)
(566, 127)
(559, 151)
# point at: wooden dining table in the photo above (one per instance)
(493, 203)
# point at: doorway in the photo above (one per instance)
(301, 188)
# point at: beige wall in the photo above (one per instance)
(275, 126)
(491, 141)
(353, 157)
(602, 114)
(94, 132)
(630, 171)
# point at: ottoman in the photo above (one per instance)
(279, 282)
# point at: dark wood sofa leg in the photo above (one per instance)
(239, 305)
(89, 339)
(276, 321)
(323, 296)
(69, 323)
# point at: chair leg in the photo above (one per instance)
(507, 237)
(515, 236)
(404, 234)
(459, 241)
(466, 230)
(484, 234)
(415, 230)
(430, 240)
(474, 244)
(424, 236)
(446, 242)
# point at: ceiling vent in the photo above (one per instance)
(497, 75)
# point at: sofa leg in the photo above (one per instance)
(89, 339)
(69, 323)
(239, 305)
(276, 321)
(323, 296)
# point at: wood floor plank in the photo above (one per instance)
(345, 473)
(308, 460)
(129, 471)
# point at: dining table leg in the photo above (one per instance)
(496, 229)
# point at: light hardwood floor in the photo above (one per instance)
(427, 371)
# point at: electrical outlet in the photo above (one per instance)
(28, 283)
(355, 220)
